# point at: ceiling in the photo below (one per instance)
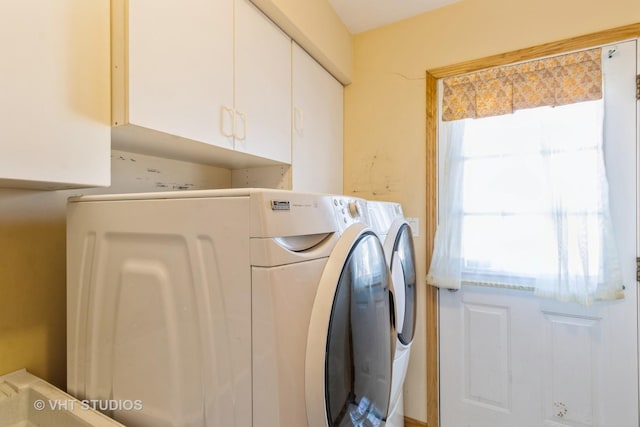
(362, 15)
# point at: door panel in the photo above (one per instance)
(262, 85)
(569, 342)
(487, 357)
(317, 127)
(511, 359)
(181, 76)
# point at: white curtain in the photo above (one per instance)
(524, 203)
(446, 262)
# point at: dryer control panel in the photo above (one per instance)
(349, 210)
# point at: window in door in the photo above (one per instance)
(526, 204)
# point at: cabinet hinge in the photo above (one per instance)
(638, 87)
(638, 269)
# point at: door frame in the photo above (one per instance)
(576, 43)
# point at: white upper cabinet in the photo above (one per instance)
(54, 94)
(192, 80)
(317, 127)
(262, 85)
(179, 72)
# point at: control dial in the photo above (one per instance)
(354, 210)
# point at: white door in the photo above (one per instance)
(180, 67)
(317, 127)
(262, 85)
(55, 94)
(509, 359)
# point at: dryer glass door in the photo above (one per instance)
(359, 339)
(403, 258)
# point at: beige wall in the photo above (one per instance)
(385, 105)
(33, 261)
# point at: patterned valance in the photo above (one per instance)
(558, 80)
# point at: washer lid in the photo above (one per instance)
(351, 340)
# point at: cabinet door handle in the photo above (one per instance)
(243, 117)
(227, 115)
(298, 119)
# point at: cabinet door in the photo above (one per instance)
(180, 70)
(317, 127)
(54, 94)
(262, 85)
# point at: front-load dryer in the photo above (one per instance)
(228, 308)
(388, 221)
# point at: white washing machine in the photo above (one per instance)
(388, 221)
(228, 308)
